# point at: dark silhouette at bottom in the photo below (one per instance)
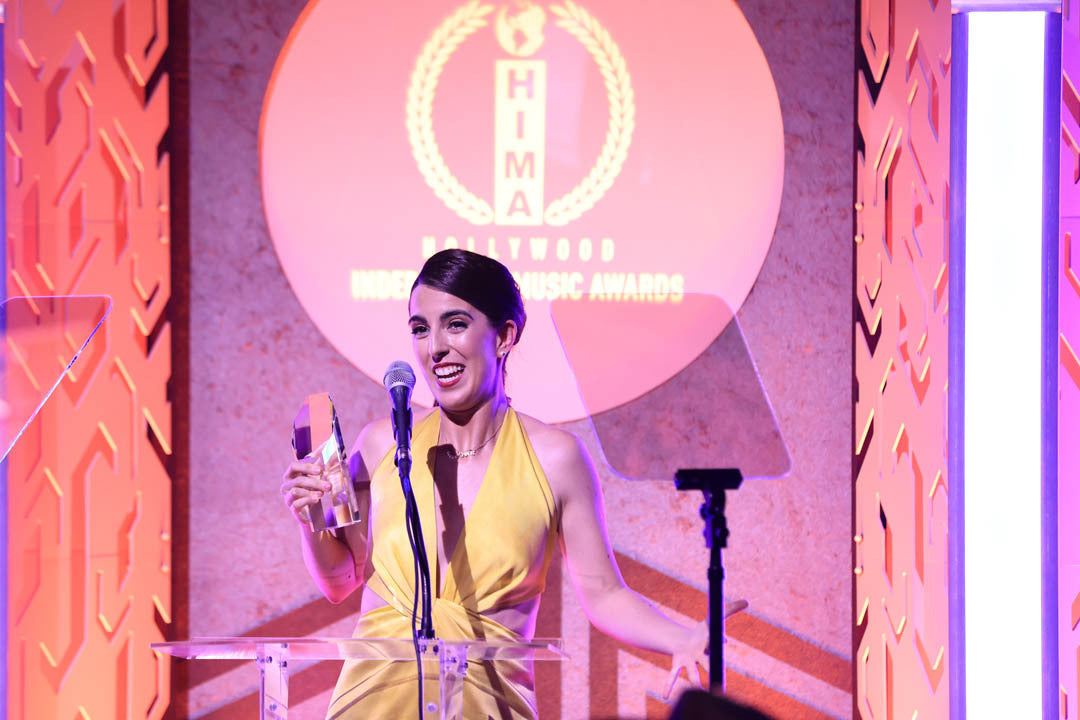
(700, 705)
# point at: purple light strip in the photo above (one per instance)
(1051, 231)
(957, 221)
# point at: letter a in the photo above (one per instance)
(519, 205)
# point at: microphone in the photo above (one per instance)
(399, 381)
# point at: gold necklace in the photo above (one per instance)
(478, 448)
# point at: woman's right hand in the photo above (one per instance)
(302, 486)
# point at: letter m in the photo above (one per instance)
(516, 167)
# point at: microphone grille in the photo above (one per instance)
(399, 373)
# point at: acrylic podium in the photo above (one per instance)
(41, 340)
(272, 657)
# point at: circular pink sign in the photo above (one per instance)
(604, 155)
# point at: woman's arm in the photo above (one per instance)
(608, 602)
(336, 560)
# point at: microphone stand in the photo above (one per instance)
(412, 518)
(713, 484)
(399, 381)
(416, 541)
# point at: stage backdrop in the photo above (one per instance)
(88, 208)
(406, 159)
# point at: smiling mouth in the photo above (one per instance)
(448, 375)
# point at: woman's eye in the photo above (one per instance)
(458, 325)
(418, 329)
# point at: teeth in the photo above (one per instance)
(448, 370)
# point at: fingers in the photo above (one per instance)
(296, 498)
(307, 483)
(298, 468)
(693, 656)
(307, 475)
(303, 485)
(734, 606)
(702, 667)
(693, 675)
(300, 503)
(672, 677)
(302, 514)
(296, 495)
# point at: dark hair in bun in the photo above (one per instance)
(484, 283)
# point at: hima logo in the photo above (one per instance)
(521, 106)
(622, 157)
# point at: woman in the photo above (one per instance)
(497, 491)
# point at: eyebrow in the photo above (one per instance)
(444, 317)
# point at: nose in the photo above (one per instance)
(437, 347)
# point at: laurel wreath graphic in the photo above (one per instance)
(574, 19)
(425, 76)
(453, 31)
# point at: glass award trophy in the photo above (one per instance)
(317, 438)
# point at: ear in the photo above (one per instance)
(507, 337)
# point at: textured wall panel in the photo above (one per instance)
(90, 496)
(901, 359)
(1069, 368)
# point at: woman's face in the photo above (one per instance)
(457, 348)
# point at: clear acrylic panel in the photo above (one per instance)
(697, 399)
(273, 657)
(43, 338)
(315, 648)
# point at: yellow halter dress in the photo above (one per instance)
(500, 560)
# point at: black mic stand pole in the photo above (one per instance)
(713, 484)
(404, 465)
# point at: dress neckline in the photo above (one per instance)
(432, 510)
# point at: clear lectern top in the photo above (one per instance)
(272, 656)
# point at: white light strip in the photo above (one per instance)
(1002, 366)
(1005, 5)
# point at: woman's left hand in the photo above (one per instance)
(689, 656)
(695, 651)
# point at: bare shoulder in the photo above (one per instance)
(377, 437)
(562, 455)
(551, 443)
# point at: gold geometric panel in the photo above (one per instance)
(901, 359)
(89, 488)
